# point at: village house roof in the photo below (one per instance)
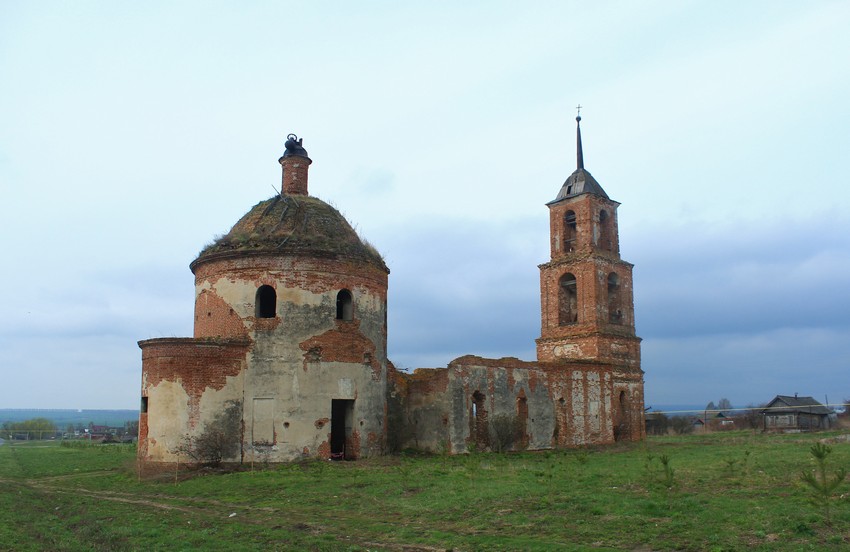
(785, 404)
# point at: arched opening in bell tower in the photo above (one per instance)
(605, 231)
(569, 231)
(567, 300)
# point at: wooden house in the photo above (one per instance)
(785, 413)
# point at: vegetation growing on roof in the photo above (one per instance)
(300, 225)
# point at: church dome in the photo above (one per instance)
(289, 225)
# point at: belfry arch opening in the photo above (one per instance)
(615, 305)
(570, 231)
(605, 231)
(265, 304)
(344, 308)
(567, 300)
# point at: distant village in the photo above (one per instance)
(120, 426)
(785, 413)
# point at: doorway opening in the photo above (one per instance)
(342, 422)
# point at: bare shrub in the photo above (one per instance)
(219, 440)
(682, 425)
(506, 432)
(752, 418)
(657, 423)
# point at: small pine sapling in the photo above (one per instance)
(668, 471)
(822, 484)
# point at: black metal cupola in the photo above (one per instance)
(580, 181)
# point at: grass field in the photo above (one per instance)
(724, 491)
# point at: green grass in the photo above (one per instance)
(727, 491)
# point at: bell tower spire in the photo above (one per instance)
(579, 153)
(587, 306)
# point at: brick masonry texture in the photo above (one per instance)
(290, 337)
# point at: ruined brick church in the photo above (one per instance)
(289, 355)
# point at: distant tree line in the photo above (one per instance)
(37, 427)
(723, 405)
(42, 428)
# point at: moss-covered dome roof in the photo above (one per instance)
(292, 225)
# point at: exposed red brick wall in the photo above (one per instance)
(427, 380)
(344, 343)
(352, 445)
(430, 388)
(587, 209)
(295, 170)
(592, 302)
(374, 441)
(396, 381)
(317, 275)
(324, 451)
(215, 318)
(621, 351)
(556, 381)
(198, 364)
(596, 334)
(143, 435)
(505, 362)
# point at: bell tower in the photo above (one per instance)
(587, 304)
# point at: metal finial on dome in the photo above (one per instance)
(579, 153)
(294, 147)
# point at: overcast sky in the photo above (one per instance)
(133, 133)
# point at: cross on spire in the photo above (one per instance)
(579, 153)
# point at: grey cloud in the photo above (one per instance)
(748, 368)
(463, 287)
(738, 311)
(743, 278)
(742, 310)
